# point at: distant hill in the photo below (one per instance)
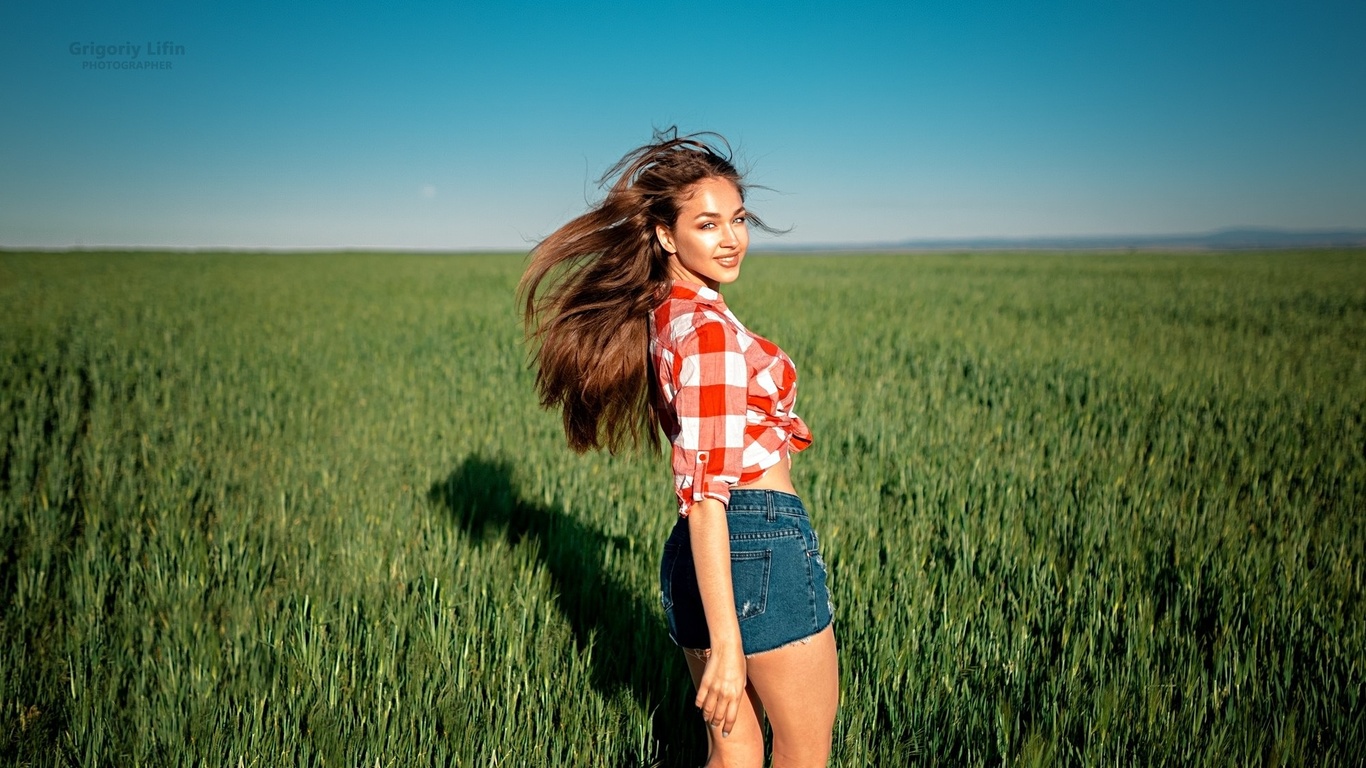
(1244, 238)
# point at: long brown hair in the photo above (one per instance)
(606, 270)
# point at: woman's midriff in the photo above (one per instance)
(776, 478)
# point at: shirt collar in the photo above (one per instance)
(695, 292)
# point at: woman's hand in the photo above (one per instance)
(723, 684)
(724, 678)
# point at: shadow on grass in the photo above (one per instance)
(634, 650)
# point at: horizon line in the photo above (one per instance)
(1229, 238)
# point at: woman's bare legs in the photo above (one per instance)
(798, 687)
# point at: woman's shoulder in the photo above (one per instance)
(678, 319)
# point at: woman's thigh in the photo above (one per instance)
(800, 689)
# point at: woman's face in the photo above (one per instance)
(708, 241)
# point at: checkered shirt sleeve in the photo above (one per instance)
(710, 405)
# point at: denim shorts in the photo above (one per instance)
(776, 568)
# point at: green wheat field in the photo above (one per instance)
(303, 510)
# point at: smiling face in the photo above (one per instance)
(708, 241)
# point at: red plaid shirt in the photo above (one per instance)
(729, 394)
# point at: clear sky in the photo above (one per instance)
(462, 125)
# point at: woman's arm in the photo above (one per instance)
(725, 676)
(710, 403)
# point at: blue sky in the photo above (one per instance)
(485, 125)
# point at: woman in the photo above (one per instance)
(635, 338)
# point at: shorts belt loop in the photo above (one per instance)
(771, 513)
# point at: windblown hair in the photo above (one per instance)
(603, 272)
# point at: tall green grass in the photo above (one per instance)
(303, 510)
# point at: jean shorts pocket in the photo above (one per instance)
(749, 573)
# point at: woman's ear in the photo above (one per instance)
(666, 238)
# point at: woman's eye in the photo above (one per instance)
(709, 225)
(741, 219)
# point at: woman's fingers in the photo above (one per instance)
(718, 694)
(732, 713)
(708, 696)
